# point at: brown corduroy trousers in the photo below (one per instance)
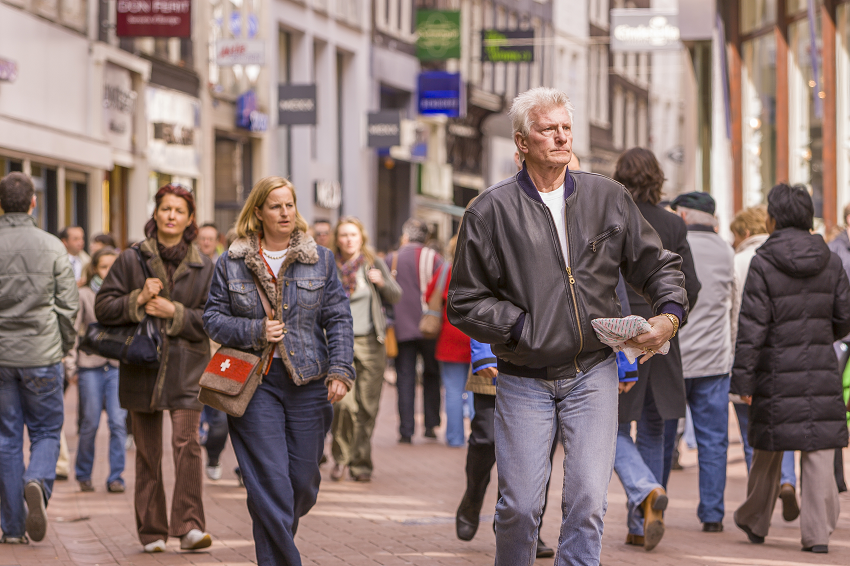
(187, 508)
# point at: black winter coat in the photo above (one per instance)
(661, 376)
(796, 303)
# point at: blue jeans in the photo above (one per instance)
(98, 388)
(278, 443)
(789, 475)
(528, 412)
(454, 377)
(640, 464)
(708, 399)
(216, 433)
(30, 397)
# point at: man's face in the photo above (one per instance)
(76, 241)
(208, 240)
(322, 233)
(550, 138)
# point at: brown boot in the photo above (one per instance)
(635, 540)
(653, 517)
(790, 507)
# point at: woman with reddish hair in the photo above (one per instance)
(174, 297)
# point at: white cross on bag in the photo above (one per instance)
(225, 364)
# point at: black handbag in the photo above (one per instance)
(133, 344)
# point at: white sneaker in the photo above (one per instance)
(195, 540)
(214, 472)
(155, 546)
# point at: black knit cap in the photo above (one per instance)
(695, 201)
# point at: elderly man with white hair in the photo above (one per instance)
(538, 258)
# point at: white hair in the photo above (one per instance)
(540, 98)
(692, 217)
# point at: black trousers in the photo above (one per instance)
(481, 456)
(405, 365)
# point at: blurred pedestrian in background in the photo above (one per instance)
(367, 283)
(74, 240)
(453, 353)
(796, 303)
(414, 265)
(208, 241)
(97, 386)
(38, 307)
(707, 351)
(102, 241)
(174, 297)
(659, 394)
(280, 438)
(322, 233)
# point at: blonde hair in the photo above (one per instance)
(365, 248)
(752, 220)
(248, 224)
(536, 99)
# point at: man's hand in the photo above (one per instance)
(336, 390)
(650, 342)
(160, 307)
(626, 386)
(489, 373)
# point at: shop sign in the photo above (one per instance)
(384, 128)
(8, 71)
(119, 107)
(644, 30)
(328, 194)
(441, 93)
(247, 115)
(173, 132)
(296, 104)
(153, 18)
(437, 35)
(507, 46)
(229, 52)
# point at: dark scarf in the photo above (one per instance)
(171, 258)
(349, 271)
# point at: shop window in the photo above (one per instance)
(843, 109)
(756, 14)
(759, 118)
(805, 110)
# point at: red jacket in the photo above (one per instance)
(452, 344)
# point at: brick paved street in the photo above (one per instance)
(405, 516)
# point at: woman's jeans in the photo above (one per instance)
(454, 377)
(98, 388)
(278, 443)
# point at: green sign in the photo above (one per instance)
(437, 35)
(507, 46)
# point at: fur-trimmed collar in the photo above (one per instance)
(193, 259)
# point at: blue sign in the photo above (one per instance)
(247, 115)
(236, 24)
(441, 93)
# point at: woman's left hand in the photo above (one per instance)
(160, 308)
(336, 390)
(376, 277)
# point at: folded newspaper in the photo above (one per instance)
(615, 331)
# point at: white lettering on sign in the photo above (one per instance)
(153, 6)
(658, 33)
(297, 105)
(383, 129)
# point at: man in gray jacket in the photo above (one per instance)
(538, 258)
(707, 351)
(38, 306)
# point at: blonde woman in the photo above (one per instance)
(279, 440)
(367, 283)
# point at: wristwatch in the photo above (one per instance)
(675, 320)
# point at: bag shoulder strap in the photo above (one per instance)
(145, 271)
(263, 298)
(394, 268)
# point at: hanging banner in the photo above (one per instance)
(437, 35)
(441, 93)
(296, 105)
(153, 18)
(384, 128)
(640, 30)
(507, 46)
(229, 52)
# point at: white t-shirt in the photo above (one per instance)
(555, 202)
(275, 265)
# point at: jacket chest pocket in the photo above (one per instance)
(596, 242)
(310, 292)
(242, 296)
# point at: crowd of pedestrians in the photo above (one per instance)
(497, 324)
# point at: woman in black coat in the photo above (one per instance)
(659, 393)
(796, 303)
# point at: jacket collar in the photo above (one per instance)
(701, 228)
(17, 219)
(527, 185)
(192, 259)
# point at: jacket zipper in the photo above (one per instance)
(604, 236)
(573, 289)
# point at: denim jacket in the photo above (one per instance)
(318, 340)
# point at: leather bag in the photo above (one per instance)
(390, 341)
(432, 319)
(232, 376)
(133, 344)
